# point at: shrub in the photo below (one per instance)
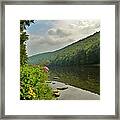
(33, 85)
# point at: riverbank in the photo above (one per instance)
(72, 93)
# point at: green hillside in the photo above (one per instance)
(82, 52)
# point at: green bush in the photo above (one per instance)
(33, 85)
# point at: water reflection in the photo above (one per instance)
(85, 77)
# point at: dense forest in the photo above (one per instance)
(83, 52)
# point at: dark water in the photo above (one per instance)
(85, 77)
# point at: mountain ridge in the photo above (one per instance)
(59, 57)
(64, 46)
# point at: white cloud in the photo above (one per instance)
(73, 29)
(58, 32)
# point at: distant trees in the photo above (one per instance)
(23, 38)
(83, 52)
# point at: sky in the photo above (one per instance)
(51, 35)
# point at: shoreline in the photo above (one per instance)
(73, 93)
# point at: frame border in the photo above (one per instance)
(69, 2)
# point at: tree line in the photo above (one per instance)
(82, 52)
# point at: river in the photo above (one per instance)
(84, 77)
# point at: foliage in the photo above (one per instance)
(83, 52)
(33, 84)
(33, 79)
(23, 38)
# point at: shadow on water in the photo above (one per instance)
(84, 77)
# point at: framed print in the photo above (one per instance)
(60, 60)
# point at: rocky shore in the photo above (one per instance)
(68, 92)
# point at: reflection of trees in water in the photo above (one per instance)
(84, 77)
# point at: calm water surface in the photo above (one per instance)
(85, 77)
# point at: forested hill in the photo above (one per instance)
(82, 52)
